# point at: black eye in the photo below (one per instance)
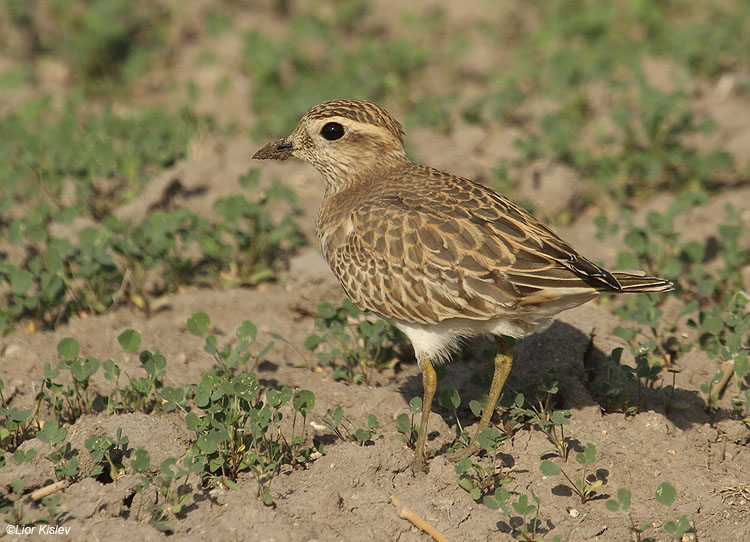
(332, 131)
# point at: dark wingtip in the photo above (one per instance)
(632, 283)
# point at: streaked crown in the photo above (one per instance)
(348, 140)
(360, 111)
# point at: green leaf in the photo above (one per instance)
(588, 457)
(198, 323)
(522, 506)
(130, 340)
(403, 424)
(623, 497)
(488, 438)
(713, 325)
(502, 496)
(463, 465)
(17, 485)
(247, 331)
(210, 345)
(490, 502)
(449, 399)
(666, 494)
(21, 457)
(51, 433)
(548, 468)
(476, 407)
(741, 367)
(161, 526)
(251, 179)
(20, 281)
(312, 342)
(304, 401)
(207, 443)
(167, 467)
(560, 417)
(326, 310)
(273, 397)
(68, 348)
(465, 483)
(18, 415)
(612, 505)
(415, 405)
(624, 333)
(140, 460)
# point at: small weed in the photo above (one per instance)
(13, 510)
(239, 431)
(583, 486)
(79, 399)
(229, 359)
(140, 394)
(523, 528)
(645, 373)
(169, 497)
(542, 414)
(104, 44)
(408, 431)
(450, 400)
(622, 504)
(354, 343)
(21, 457)
(715, 305)
(666, 495)
(106, 451)
(54, 514)
(344, 429)
(173, 494)
(16, 424)
(108, 264)
(482, 478)
(53, 434)
(248, 237)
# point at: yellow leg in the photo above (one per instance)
(503, 364)
(429, 383)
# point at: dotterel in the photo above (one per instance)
(440, 256)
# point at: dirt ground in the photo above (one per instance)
(345, 494)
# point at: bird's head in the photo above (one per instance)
(344, 140)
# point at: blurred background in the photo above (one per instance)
(635, 98)
(127, 191)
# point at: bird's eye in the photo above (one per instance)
(332, 131)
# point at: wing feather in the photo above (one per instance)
(425, 246)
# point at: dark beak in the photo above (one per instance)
(278, 150)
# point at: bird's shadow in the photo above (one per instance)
(564, 353)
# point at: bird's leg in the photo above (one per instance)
(503, 364)
(429, 383)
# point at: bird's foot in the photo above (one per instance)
(458, 455)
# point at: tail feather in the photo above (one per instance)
(633, 282)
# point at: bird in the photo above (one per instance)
(441, 257)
